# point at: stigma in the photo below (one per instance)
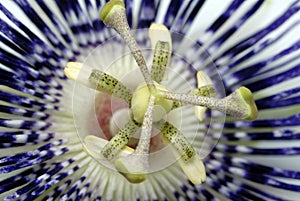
(151, 102)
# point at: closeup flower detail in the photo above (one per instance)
(149, 100)
(142, 102)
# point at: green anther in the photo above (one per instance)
(160, 60)
(116, 144)
(184, 148)
(205, 88)
(108, 8)
(208, 91)
(108, 84)
(176, 104)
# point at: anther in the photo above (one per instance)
(116, 144)
(93, 144)
(160, 61)
(161, 43)
(205, 88)
(188, 159)
(98, 80)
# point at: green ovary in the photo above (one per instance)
(140, 99)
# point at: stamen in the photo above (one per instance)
(189, 160)
(120, 140)
(136, 166)
(159, 32)
(113, 14)
(205, 88)
(239, 104)
(108, 84)
(184, 148)
(73, 69)
(160, 61)
(93, 144)
(98, 80)
(161, 42)
(207, 91)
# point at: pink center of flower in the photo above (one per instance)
(106, 106)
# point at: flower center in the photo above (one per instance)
(107, 107)
(150, 103)
(113, 114)
(140, 101)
